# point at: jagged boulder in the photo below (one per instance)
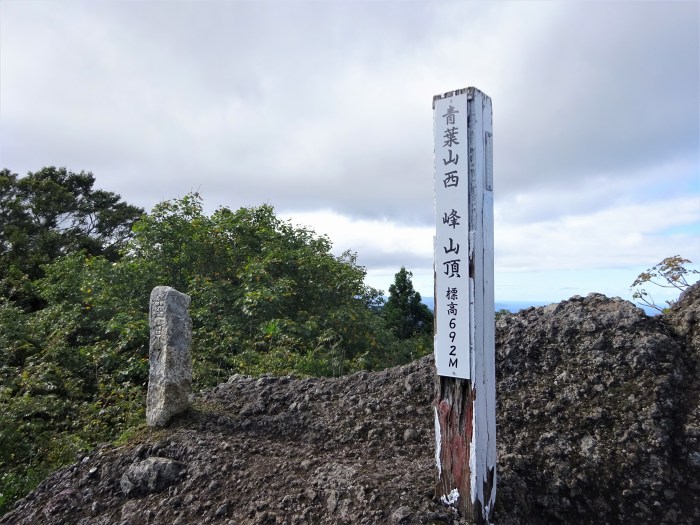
(684, 319)
(590, 414)
(151, 475)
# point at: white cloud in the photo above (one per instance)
(622, 237)
(379, 242)
(612, 237)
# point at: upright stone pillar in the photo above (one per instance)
(170, 376)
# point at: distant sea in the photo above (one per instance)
(516, 306)
(512, 306)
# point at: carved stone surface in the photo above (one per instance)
(170, 376)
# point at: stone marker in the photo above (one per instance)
(170, 376)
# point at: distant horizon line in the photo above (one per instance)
(516, 306)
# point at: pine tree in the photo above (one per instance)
(404, 312)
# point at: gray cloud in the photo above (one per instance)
(612, 89)
(326, 105)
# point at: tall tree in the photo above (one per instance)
(404, 312)
(50, 213)
(257, 281)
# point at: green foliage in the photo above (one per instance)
(56, 398)
(51, 213)
(267, 298)
(500, 313)
(265, 294)
(669, 273)
(404, 312)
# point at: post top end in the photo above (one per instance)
(470, 91)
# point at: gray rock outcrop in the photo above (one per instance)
(596, 417)
(684, 319)
(592, 400)
(170, 375)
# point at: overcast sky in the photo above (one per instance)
(323, 110)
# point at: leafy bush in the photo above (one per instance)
(267, 298)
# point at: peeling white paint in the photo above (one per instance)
(492, 497)
(452, 498)
(473, 481)
(438, 439)
(472, 329)
(487, 511)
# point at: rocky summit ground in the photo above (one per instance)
(598, 423)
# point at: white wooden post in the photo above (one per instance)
(465, 404)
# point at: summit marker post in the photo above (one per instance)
(465, 402)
